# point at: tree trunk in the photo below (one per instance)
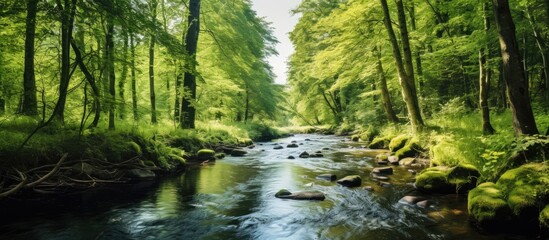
(91, 80)
(188, 111)
(110, 69)
(485, 76)
(67, 20)
(153, 6)
(406, 78)
(543, 50)
(417, 55)
(386, 97)
(123, 78)
(247, 105)
(30, 105)
(133, 78)
(513, 70)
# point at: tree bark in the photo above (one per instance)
(386, 97)
(153, 4)
(485, 76)
(67, 21)
(91, 80)
(30, 105)
(188, 111)
(110, 69)
(123, 78)
(133, 78)
(405, 72)
(513, 70)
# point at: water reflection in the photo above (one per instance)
(234, 199)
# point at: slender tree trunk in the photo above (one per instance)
(123, 78)
(67, 20)
(133, 78)
(406, 78)
(514, 73)
(110, 70)
(188, 111)
(153, 4)
(91, 81)
(485, 76)
(417, 55)
(386, 97)
(178, 96)
(247, 105)
(30, 105)
(543, 50)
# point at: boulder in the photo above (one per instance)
(443, 179)
(304, 155)
(291, 157)
(398, 142)
(382, 170)
(292, 145)
(411, 149)
(407, 162)
(350, 181)
(412, 200)
(380, 177)
(238, 152)
(487, 206)
(393, 160)
(327, 177)
(424, 204)
(305, 195)
(294, 141)
(278, 147)
(205, 154)
(379, 143)
(316, 155)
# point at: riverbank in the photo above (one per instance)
(60, 159)
(511, 172)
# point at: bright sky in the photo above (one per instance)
(278, 13)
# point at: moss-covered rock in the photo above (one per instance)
(544, 217)
(398, 142)
(282, 192)
(444, 179)
(379, 143)
(411, 149)
(369, 134)
(520, 193)
(487, 206)
(205, 154)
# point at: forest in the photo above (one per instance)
(101, 92)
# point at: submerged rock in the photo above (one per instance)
(316, 155)
(412, 200)
(350, 181)
(383, 170)
(278, 147)
(304, 155)
(327, 176)
(305, 195)
(291, 157)
(238, 152)
(292, 145)
(380, 177)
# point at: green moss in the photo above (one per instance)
(411, 149)
(434, 180)
(205, 154)
(135, 148)
(369, 134)
(523, 202)
(398, 142)
(380, 143)
(486, 205)
(463, 176)
(544, 217)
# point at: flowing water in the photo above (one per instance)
(234, 199)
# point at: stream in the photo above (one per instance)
(234, 199)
